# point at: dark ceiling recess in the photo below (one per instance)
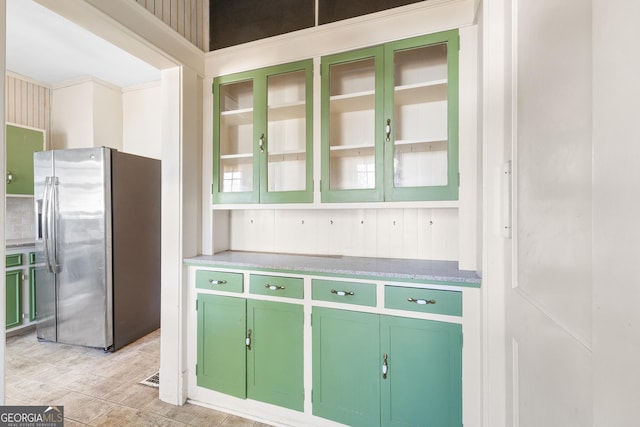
(234, 22)
(335, 10)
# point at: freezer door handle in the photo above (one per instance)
(49, 224)
(44, 222)
(53, 225)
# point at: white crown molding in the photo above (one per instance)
(19, 76)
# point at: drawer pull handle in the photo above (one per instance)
(217, 282)
(342, 293)
(385, 366)
(274, 287)
(422, 301)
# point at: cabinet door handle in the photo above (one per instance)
(9, 177)
(385, 366)
(261, 143)
(247, 340)
(274, 287)
(342, 293)
(387, 130)
(217, 282)
(421, 301)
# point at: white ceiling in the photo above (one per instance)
(52, 50)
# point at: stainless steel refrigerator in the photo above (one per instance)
(97, 246)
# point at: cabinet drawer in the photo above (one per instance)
(423, 300)
(344, 292)
(14, 260)
(219, 281)
(290, 287)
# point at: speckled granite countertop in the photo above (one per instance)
(406, 270)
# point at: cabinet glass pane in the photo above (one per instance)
(352, 125)
(286, 121)
(236, 137)
(420, 128)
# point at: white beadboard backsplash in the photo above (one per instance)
(20, 222)
(383, 233)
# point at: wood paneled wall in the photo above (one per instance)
(28, 103)
(187, 17)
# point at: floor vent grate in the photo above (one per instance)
(153, 380)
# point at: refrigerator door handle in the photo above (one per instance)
(45, 223)
(53, 228)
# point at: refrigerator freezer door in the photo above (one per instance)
(45, 280)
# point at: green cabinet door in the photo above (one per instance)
(21, 144)
(423, 386)
(346, 366)
(13, 298)
(221, 344)
(251, 349)
(275, 354)
(390, 121)
(32, 293)
(263, 135)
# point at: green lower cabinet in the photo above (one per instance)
(251, 349)
(376, 370)
(32, 293)
(13, 298)
(221, 347)
(423, 387)
(275, 356)
(346, 366)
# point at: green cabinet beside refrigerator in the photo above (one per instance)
(21, 142)
(14, 298)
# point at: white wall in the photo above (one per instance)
(2, 197)
(616, 209)
(86, 114)
(387, 233)
(142, 120)
(107, 116)
(72, 116)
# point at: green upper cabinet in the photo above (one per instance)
(21, 144)
(263, 135)
(390, 121)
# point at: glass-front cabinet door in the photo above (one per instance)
(351, 106)
(390, 121)
(235, 126)
(263, 136)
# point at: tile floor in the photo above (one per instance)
(98, 388)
